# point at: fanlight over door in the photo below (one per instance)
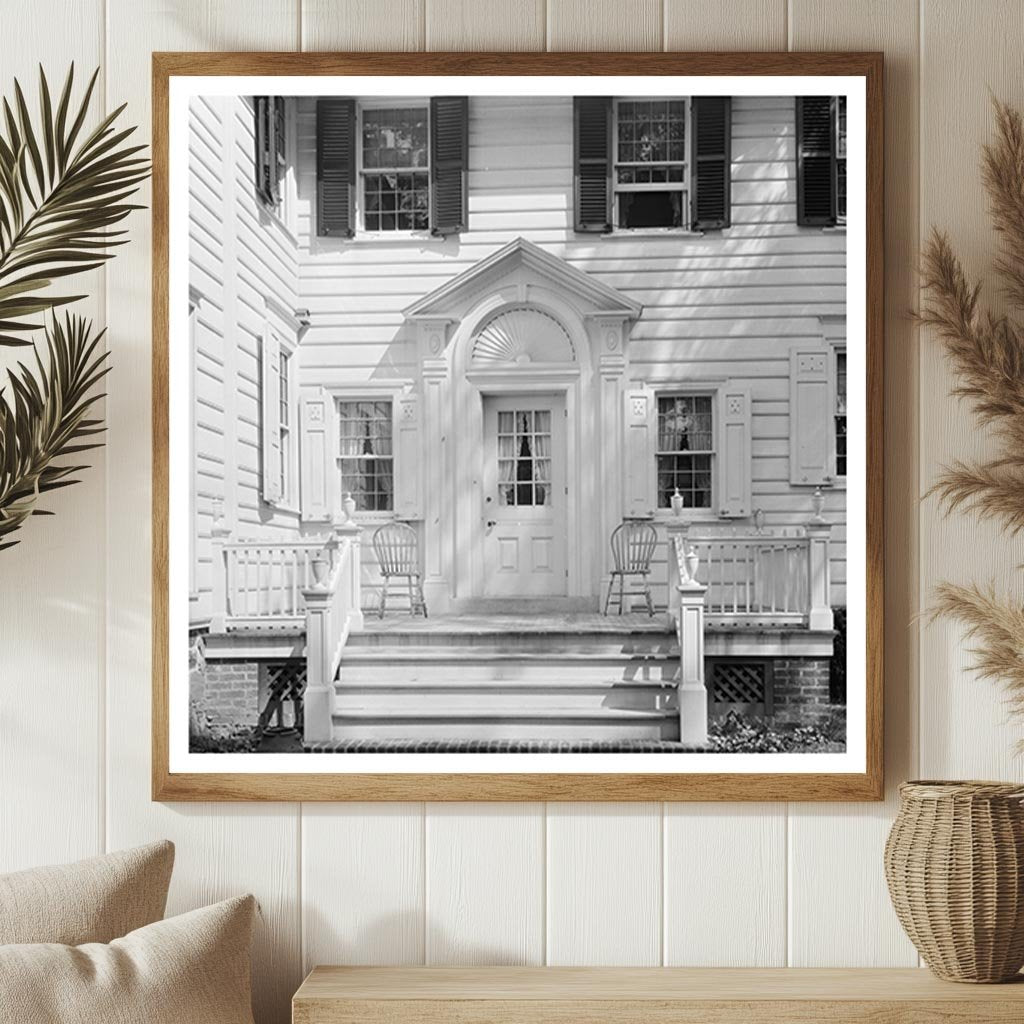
(519, 336)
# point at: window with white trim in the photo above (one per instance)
(366, 453)
(271, 150)
(394, 167)
(839, 413)
(651, 170)
(685, 454)
(193, 562)
(285, 423)
(841, 160)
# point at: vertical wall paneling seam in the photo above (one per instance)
(424, 853)
(917, 625)
(544, 875)
(102, 764)
(300, 882)
(787, 855)
(787, 824)
(547, 885)
(663, 915)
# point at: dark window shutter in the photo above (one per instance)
(592, 130)
(815, 161)
(712, 162)
(336, 166)
(263, 107)
(449, 163)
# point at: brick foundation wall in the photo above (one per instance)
(231, 692)
(801, 690)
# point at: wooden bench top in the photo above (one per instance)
(616, 995)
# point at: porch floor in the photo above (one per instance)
(545, 622)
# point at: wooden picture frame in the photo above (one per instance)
(865, 781)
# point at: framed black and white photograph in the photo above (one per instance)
(517, 427)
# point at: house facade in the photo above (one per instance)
(513, 324)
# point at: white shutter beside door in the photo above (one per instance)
(319, 456)
(270, 416)
(809, 416)
(408, 457)
(638, 452)
(736, 470)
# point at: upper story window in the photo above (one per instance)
(821, 160)
(395, 169)
(685, 449)
(271, 150)
(656, 163)
(651, 169)
(392, 166)
(366, 454)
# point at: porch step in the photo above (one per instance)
(438, 665)
(514, 723)
(414, 697)
(465, 680)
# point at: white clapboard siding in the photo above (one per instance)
(722, 306)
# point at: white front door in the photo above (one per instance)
(524, 495)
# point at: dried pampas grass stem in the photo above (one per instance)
(986, 352)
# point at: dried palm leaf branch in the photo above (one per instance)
(997, 626)
(62, 191)
(46, 419)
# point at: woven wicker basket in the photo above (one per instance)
(954, 861)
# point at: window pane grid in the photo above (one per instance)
(366, 457)
(524, 457)
(840, 414)
(650, 163)
(395, 169)
(685, 449)
(841, 159)
(283, 374)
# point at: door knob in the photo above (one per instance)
(490, 523)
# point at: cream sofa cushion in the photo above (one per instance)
(93, 900)
(190, 969)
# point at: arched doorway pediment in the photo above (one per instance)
(491, 308)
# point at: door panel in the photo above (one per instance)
(524, 495)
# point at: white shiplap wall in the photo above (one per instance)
(750, 884)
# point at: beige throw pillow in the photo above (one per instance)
(93, 900)
(190, 969)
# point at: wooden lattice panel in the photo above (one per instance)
(740, 685)
(285, 685)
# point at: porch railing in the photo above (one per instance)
(332, 612)
(260, 583)
(759, 578)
